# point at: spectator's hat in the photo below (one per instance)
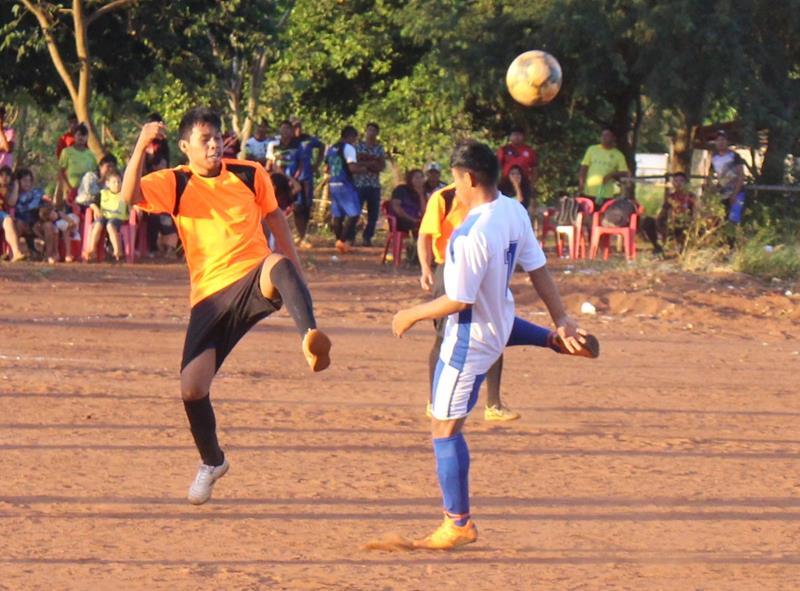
(433, 166)
(720, 133)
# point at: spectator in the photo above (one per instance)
(94, 181)
(7, 139)
(162, 237)
(342, 164)
(68, 138)
(728, 167)
(408, 201)
(618, 214)
(8, 197)
(517, 153)
(283, 154)
(308, 169)
(517, 186)
(256, 147)
(26, 206)
(602, 165)
(433, 179)
(231, 146)
(113, 212)
(372, 156)
(157, 151)
(674, 217)
(75, 161)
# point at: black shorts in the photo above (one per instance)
(438, 291)
(223, 318)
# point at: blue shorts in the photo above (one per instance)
(106, 221)
(344, 201)
(455, 392)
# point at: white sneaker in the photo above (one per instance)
(200, 490)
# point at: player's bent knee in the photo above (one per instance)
(193, 392)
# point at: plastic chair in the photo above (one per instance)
(127, 233)
(601, 235)
(548, 226)
(394, 238)
(577, 240)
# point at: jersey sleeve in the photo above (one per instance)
(158, 192)
(468, 261)
(587, 157)
(432, 218)
(265, 192)
(350, 154)
(531, 256)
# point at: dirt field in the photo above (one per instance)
(672, 462)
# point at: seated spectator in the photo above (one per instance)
(433, 179)
(157, 150)
(618, 214)
(517, 186)
(74, 162)
(113, 212)
(8, 196)
(675, 216)
(408, 202)
(7, 138)
(94, 181)
(48, 226)
(26, 209)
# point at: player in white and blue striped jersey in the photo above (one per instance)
(482, 253)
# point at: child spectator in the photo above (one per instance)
(26, 208)
(113, 212)
(66, 140)
(408, 202)
(7, 138)
(74, 162)
(94, 181)
(8, 197)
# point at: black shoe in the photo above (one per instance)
(366, 242)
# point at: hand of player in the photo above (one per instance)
(571, 335)
(426, 279)
(150, 132)
(402, 322)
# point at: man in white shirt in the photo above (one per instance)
(256, 147)
(481, 256)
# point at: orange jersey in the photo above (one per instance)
(219, 222)
(443, 214)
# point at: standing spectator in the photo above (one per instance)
(342, 164)
(68, 138)
(75, 161)
(517, 153)
(517, 186)
(308, 169)
(371, 154)
(7, 139)
(728, 167)
(283, 154)
(433, 179)
(408, 202)
(94, 181)
(602, 166)
(158, 150)
(8, 196)
(162, 237)
(674, 217)
(256, 147)
(113, 212)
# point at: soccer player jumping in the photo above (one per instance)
(482, 253)
(218, 206)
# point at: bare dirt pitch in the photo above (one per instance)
(673, 462)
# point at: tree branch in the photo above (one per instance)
(106, 8)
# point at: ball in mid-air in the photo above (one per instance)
(534, 78)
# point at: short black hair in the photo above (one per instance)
(198, 116)
(477, 158)
(286, 122)
(375, 125)
(108, 159)
(155, 118)
(23, 172)
(516, 129)
(6, 170)
(348, 130)
(82, 129)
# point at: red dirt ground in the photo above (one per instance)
(672, 462)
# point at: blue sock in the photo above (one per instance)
(527, 333)
(452, 467)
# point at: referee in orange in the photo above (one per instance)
(218, 206)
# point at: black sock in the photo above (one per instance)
(294, 293)
(204, 430)
(336, 226)
(493, 377)
(349, 228)
(433, 359)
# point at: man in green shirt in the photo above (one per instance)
(75, 161)
(602, 166)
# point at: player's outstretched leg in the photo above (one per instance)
(196, 380)
(279, 275)
(527, 333)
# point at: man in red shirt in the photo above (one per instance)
(68, 138)
(516, 152)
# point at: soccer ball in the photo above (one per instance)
(534, 78)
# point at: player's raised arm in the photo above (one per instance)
(130, 191)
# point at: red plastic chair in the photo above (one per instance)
(548, 226)
(601, 235)
(128, 232)
(577, 240)
(394, 238)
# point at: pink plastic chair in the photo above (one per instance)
(127, 232)
(394, 238)
(601, 235)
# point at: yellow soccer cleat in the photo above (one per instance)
(500, 413)
(429, 410)
(449, 535)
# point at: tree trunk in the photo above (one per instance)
(259, 66)
(621, 124)
(779, 144)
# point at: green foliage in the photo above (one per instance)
(762, 258)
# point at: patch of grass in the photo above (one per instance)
(766, 261)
